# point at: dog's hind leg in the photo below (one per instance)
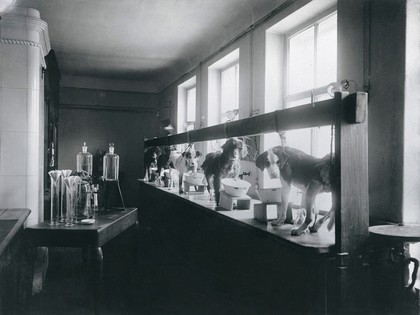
(318, 223)
(313, 189)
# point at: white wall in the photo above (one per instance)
(24, 43)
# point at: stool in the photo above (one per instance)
(227, 202)
(197, 189)
(264, 212)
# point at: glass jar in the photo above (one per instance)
(84, 160)
(111, 164)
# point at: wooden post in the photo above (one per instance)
(351, 192)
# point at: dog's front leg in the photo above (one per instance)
(180, 182)
(282, 209)
(313, 189)
(216, 185)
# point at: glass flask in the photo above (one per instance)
(55, 177)
(111, 164)
(84, 160)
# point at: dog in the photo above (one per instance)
(219, 165)
(309, 174)
(151, 156)
(163, 159)
(182, 162)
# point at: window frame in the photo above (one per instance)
(315, 93)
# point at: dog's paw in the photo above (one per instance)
(277, 222)
(316, 226)
(303, 229)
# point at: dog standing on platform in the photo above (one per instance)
(182, 162)
(309, 174)
(151, 156)
(219, 165)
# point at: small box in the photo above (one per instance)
(264, 212)
(228, 202)
(194, 189)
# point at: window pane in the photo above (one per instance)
(229, 93)
(301, 62)
(191, 104)
(327, 52)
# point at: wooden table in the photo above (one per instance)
(90, 238)
(399, 237)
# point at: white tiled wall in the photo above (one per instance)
(21, 119)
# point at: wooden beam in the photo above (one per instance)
(305, 116)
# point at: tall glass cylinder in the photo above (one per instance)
(111, 164)
(70, 204)
(63, 196)
(55, 177)
(84, 160)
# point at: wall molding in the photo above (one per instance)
(109, 108)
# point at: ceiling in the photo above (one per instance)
(153, 41)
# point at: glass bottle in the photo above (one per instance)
(84, 160)
(111, 164)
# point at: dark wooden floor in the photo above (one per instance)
(160, 283)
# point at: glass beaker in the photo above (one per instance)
(83, 208)
(55, 177)
(63, 196)
(69, 184)
(111, 164)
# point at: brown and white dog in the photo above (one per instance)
(182, 162)
(307, 173)
(219, 165)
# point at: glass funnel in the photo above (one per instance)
(55, 177)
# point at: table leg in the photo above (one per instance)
(96, 263)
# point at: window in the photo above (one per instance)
(223, 96)
(229, 94)
(187, 104)
(310, 64)
(191, 104)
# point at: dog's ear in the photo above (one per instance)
(244, 150)
(228, 143)
(282, 155)
(261, 160)
(158, 151)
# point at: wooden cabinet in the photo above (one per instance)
(51, 110)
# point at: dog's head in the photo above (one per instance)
(190, 155)
(235, 149)
(273, 160)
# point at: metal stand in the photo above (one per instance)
(109, 194)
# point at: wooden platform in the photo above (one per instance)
(321, 242)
